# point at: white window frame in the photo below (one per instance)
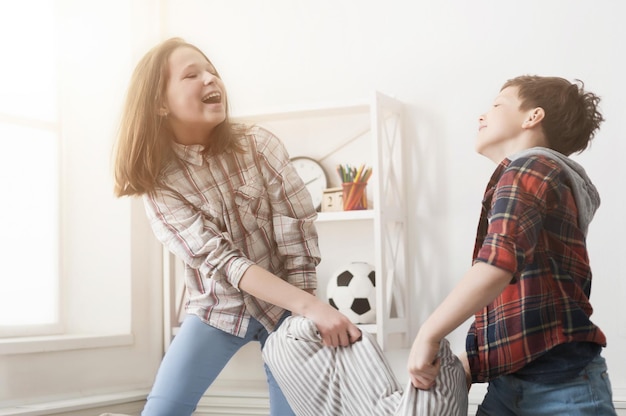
(111, 296)
(94, 268)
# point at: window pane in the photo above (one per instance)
(28, 74)
(29, 248)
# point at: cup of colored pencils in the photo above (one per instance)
(354, 183)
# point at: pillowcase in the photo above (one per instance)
(355, 380)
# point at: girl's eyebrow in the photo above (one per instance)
(190, 66)
(195, 65)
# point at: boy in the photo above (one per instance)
(532, 338)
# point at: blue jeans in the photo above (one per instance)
(586, 395)
(193, 361)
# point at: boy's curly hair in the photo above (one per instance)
(571, 113)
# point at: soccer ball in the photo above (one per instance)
(352, 291)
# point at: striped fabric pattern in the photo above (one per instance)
(355, 380)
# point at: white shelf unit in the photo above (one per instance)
(370, 133)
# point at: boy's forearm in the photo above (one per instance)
(480, 285)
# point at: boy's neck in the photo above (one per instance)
(526, 140)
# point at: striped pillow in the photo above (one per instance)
(355, 380)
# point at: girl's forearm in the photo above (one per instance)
(335, 329)
(266, 286)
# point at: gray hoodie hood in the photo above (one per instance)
(585, 193)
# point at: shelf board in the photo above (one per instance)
(366, 214)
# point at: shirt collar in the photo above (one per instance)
(190, 154)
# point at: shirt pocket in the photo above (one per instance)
(252, 205)
(211, 213)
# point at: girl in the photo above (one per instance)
(224, 199)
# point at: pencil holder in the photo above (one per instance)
(354, 196)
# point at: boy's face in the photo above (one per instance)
(500, 126)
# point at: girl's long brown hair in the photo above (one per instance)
(144, 139)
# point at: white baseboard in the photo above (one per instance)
(619, 397)
(251, 399)
(129, 402)
(224, 398)
(235, 398)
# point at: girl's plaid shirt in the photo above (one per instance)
(220, 214)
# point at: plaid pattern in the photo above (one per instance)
(529, 226)
(220, 214)
(355, 380)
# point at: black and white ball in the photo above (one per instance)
(352, 291)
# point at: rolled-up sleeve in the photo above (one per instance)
(517, 212)
(193, 238)
(293, 214)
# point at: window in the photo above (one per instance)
(29, 168)
(64, 73)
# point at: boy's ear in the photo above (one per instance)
(534, 117)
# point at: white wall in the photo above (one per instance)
(446, 60)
